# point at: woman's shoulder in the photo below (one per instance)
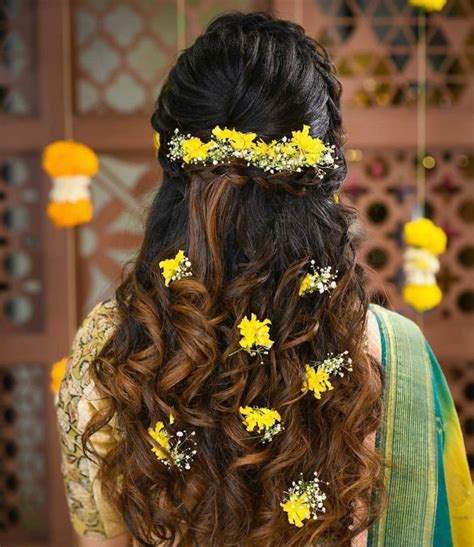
(393, 326)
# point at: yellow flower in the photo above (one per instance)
(255, 333)
(305, 284)
(423, 233)
(240, 141)
(161, 437)
(172, 267)
(58, 370)
(264, 149)
(156, 142)
(422, 297)
(62, 158)
(196, 149)
(222, 134)
(317, 381)
(259, 418)
(312, 147)
(428, 5)
(297, 508)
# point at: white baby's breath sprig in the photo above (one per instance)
(320, 280)
(304, 500)
(181, 447)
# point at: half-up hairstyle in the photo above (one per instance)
(250, 237)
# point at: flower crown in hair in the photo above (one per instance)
(287, 154)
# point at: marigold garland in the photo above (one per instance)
(71, 165)
(425, 242)
(58, 371)
(428, 5)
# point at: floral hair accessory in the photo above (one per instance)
(170, 449)
(287, 154)
(265, 421)
(255, 336)
(304, 500)
(175, 268)
(317, 373)
(321, 280)
(156, 142)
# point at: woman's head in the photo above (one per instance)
(250, 236)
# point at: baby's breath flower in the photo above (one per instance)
(175, 268)
(304, 500)
(265, 421)
(321, 280)
(178, 449)
(302, 150)
(317, 373)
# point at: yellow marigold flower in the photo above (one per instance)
(426, 235)
(428, 5)
(239, 140)
(305, 284)
(63, 158)
(175, 268)
(255, 333)
(222, 134)
(194, 148)
(58, 370)
(259, 418)
(161, 437)
(67, 214)
(156, 142)
(297, 508)
(317, 381)
(422, 297)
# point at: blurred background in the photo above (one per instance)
(91, 69)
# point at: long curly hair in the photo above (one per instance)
(250, 236)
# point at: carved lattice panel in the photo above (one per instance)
(373, 44)
(124, 49)
(381, 185)
(18, 75)
(122, 192)
(22, 205)
(23, 476)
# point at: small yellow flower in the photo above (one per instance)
(422, 297)
(175, 268)
(58, 370)
(423, 233)
(240, 141)
(156, 142)
(297, 508)
(428, 5)
(222, 134)
(264, 149)
(313, 148)
(317, 381)
(259, 418)
(194, 148)
(161, 437)
(255, 333)
(305, 284)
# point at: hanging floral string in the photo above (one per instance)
(425, 242)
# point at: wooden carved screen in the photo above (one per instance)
(120, 51)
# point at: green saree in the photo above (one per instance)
(430, 496)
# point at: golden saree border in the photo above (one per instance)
(407, 437)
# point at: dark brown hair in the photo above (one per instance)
(250, 237)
